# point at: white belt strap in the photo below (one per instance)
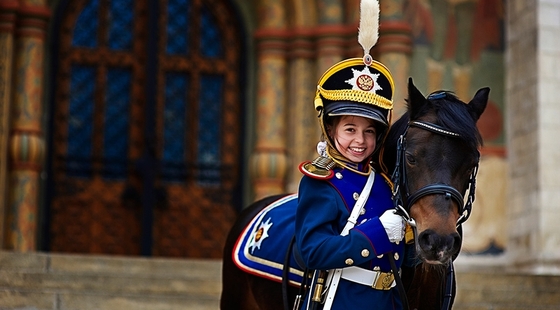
(337, 273)
(366, 277)
(359, 205)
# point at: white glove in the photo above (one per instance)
(393, 224)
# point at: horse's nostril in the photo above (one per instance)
(451, 243)
(426, 240)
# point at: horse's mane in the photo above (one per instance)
(451, 113)
(454, 115)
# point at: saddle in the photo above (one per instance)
(261, 248)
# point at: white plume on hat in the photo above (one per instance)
(368, 31)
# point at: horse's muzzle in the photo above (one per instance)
(434, 248)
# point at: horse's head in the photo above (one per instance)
(436, 164)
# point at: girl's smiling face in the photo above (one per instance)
(354, 137)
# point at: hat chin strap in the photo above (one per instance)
(342, 161)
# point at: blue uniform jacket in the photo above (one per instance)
(323, 210)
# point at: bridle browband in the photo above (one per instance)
(399, 179)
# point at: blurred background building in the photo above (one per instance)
(140, 128)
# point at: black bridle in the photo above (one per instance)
(399, 180)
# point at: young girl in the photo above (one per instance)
(346, 227)
(345, 224)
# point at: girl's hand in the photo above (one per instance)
(394, 225)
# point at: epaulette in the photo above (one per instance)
(320, 168)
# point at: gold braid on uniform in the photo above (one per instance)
(356, 95)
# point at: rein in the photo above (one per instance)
(399, 179)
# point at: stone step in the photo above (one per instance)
(111, 284)
(485, 290)
(72, 300)
(98, 264)
(485, 283)
(55, 281)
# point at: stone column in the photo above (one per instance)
(353, 15)
(533, 49)
(8, 11)
(331, 35)
(269, 160)
(395, 49)
(302, 122)
(26, 143)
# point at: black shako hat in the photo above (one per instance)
(356, 86)
(352, 87)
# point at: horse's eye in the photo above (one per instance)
(410, 159)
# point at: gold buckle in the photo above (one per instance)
(383, 281)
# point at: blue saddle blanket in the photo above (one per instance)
(262, 246)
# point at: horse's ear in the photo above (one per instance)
(415, 100)
(478, 102)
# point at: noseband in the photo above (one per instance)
(399, 178)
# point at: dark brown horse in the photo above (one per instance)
(432, 151)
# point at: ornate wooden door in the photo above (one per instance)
(145, 145)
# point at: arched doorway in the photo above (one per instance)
(146, 127)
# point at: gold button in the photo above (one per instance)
(365, 253)
(376, 268)
(380, 256)
(349, 261)
(362, 211)
(338, 175)
(356, 196)
(396, 256)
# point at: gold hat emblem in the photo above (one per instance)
(365, 82)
